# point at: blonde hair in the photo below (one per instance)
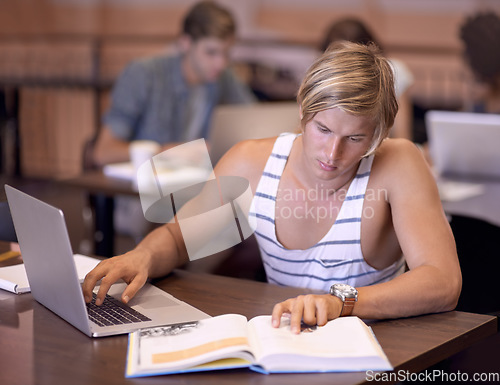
(355, 78)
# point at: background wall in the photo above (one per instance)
(79, 47)
(397, 22)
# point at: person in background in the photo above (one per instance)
(169, 99)
(480, 35)
(354, 30)
(336, 206)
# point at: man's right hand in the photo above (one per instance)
(132, 267)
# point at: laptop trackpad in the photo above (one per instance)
(149, 297)
(152, 301)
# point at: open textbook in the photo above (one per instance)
(230, 341)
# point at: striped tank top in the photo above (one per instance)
(337, 258)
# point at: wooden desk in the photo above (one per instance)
(37, 347)
(95, 182)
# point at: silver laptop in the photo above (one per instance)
(50, 267)
(464, 144)
(233, 123)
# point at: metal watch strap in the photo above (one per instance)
(347, 307)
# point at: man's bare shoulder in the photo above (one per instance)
(393, 151)
(247, 159)
(400, 164)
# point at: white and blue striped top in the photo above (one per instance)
(337, 258)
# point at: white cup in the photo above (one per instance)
(142, 151)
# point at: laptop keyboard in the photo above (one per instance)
(113, 312)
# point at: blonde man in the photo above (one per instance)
(337, 206)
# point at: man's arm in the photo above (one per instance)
(163, 249)
(128, 102)
(110, 149)
(159, 253)
(433, 282)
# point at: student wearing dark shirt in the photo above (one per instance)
(170, 98)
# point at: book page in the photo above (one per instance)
(14, 279)
(344, 344)
(180, 347)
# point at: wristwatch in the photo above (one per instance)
(348, 295)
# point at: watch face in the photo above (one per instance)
(344, 290)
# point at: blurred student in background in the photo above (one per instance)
(354, 30)
(170, 98)
(480, 35)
